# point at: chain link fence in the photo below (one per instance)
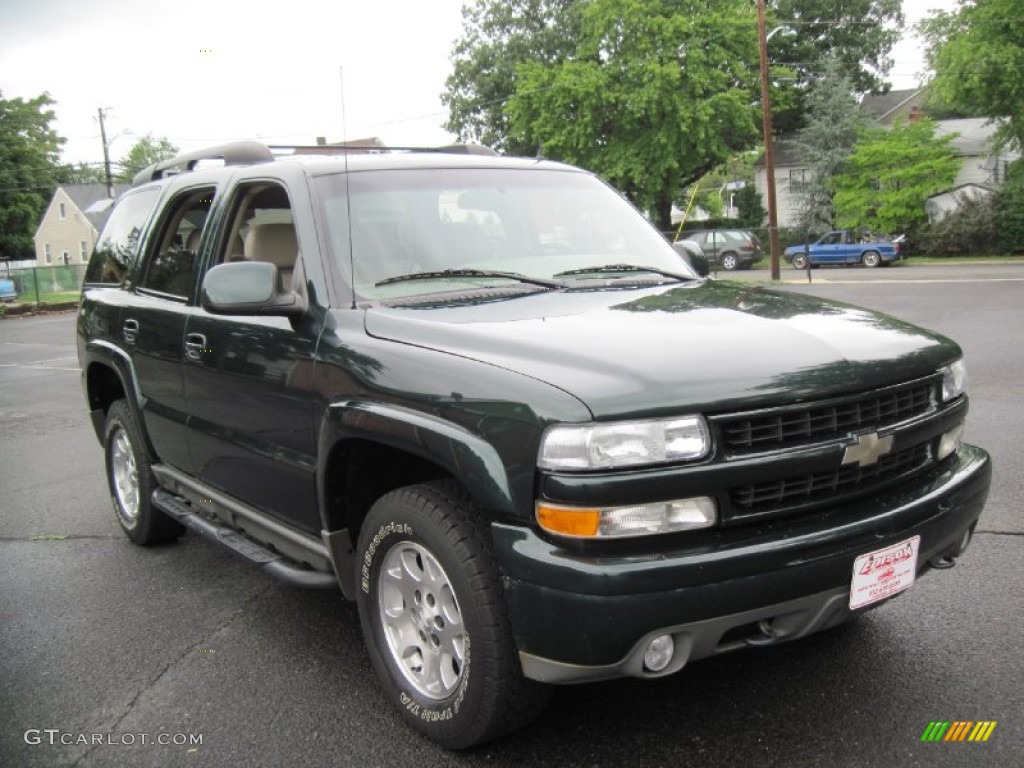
(36, 287)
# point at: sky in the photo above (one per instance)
(203, 72)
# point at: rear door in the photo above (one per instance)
(153, 323)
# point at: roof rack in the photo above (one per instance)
(235, 153)
(253, 152)
(339, 149)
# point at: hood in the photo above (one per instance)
(702, 346)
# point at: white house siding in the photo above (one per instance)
(64, 235)
(787, 201)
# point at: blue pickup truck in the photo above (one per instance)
(841, 246)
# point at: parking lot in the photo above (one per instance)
(100, 637)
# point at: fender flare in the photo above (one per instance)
(464, 455)
(460, 452)
(109, 355)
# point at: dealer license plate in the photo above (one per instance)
(884, 573)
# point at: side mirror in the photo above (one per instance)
(248, 288)
(693, 254)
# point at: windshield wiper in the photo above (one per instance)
(472, 273)
(607, 268)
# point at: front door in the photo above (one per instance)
(248, 380)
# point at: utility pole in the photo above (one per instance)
(769, 160)
(106, 156)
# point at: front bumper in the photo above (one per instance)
(578, 616)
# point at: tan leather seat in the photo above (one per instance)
(192, 244)
(276, 244)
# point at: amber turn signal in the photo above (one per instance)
(568, 521)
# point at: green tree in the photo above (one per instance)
(144, 153)
(977, 53)
(29, 166)
(81, 173)
(654, 95)
(751, 210)
(856, 34)
(886, 179)
(498, 36)
(1010, 210)
(832, 126)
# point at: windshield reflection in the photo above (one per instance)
(533, 222)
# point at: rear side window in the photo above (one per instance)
(119, 242)
(170, 268)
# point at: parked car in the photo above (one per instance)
(843, 246)
(532, 453)
(693, 255)
(728, 248)
(7, 290)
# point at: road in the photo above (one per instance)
(98, 636)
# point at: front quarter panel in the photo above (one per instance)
(481, 422)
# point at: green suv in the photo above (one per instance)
(489, 401)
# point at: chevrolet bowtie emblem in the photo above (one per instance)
(868, 449)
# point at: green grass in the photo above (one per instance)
(57, 297)
(1006, 259)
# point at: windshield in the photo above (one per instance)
(536, 223)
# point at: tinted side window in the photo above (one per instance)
(119, 242)
(173, 252)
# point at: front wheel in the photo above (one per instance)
(433, 616)
(871, 259)
(800, 261)
(729, 261)
(131, 481)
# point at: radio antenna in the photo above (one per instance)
(348, 197)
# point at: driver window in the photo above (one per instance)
(262, 229)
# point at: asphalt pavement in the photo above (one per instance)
(106, 643)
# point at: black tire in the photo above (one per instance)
(131, 480)
(800, 261)
(485, 694)
(871, 259)
(730, 261)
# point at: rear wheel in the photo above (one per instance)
(800, 261)
(729, 261)
(131, 481)
(434, 620)
(871, 259)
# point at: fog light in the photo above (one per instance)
(659, 653)
(950, 442)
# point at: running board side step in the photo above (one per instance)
(247, 549)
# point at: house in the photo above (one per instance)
(982, 168)
(72, 223)
(940, 205)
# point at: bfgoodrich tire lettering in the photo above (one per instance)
(131, 481)
(434, 619)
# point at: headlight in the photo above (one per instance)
(623, 443)
(954, 381)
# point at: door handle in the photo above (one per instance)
(195, 345)
(130, 331)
